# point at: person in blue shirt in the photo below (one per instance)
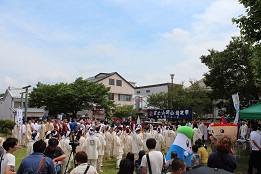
(73, 126)
(36, 162)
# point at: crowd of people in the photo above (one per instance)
(53, 144)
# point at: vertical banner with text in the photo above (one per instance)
(19, 114)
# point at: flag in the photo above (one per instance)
(235, 98)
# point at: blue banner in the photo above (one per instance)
(170, 114)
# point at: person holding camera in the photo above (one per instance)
(54, 152)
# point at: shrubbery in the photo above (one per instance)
(6, 126)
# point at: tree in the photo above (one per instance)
(250, 24)
(194, 97)
(70, 98)
(250, 28)
(231, 71)
(199, 99)
(124, 111)
(159, 100)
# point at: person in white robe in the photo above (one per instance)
(31, 142)
(243, 130)
(137, 143)
(159, 139)
(91, 146)
(169, 138)
(118, 148)
(109, 142)
(101, 149)
(197, 133)
(67, 148)
(28, 132)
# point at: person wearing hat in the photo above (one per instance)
(109, 142)
(67, 148)
(118, 145)
(101, 150)
(137, 143)
(91, 146)
(169, 138)
(159, 139)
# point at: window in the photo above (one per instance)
(111, 81)
(124, 97)
(111, 96)
(138, 92)
(147, 91)
(119, 83)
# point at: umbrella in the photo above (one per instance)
(207, 170)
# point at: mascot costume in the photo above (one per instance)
(182, 144)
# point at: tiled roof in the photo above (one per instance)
(16, 92)
(31, 110)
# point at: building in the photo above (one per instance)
(12, 100)
(142, 92)
(121, 90)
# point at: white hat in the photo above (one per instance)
(137, 129)
(47, 133)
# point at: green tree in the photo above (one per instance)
(159, 100)
(70, 98)
(124, 111)
(250, 27)
(231, 71)
(250, 24)
(195, 97)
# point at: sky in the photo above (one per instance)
(143, 40)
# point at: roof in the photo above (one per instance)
(101, 76)
(31, 110)
(150, 86)
(16, 92)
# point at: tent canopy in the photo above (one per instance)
(253, 112)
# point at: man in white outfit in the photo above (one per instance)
(101, 150)
(169, 137)
(243, 130)
(118, 148)
(137, 143)
(91, 146)
(109, 142)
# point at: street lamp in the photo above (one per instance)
(26, 98)
(172, 89)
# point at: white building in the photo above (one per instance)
(12, 100)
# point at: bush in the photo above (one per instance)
(6, 126)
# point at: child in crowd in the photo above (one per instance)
(195, 158)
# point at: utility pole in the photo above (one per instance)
(172, 89)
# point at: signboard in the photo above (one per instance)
(19, 114)
(170, 114)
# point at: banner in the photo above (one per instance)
(19, 114)
(170, 114)
(235, 98)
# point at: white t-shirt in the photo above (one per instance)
(156, 162)
(82, 167)
(257, 137)
(8, 160)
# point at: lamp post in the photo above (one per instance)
(172, 89)
(26, 101)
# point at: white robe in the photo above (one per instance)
(91, 146)
(137, 143)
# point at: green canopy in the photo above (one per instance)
(253, 112)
